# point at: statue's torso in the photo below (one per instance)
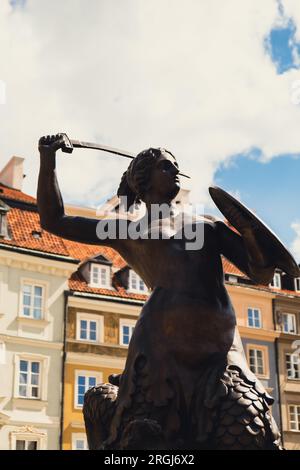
(189, 313)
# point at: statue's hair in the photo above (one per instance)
(136, 181)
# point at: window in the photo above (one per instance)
(28, 438)
(88, 330)
(84, 381)
(294, 418)
(136, 284)
(256, 361)
(289, 323)
(90, 327)
(32, 301)
(29, 379)
(297, 284)
(293, 366)
(3, 220)
(22, 444)
(254, 318)
(79, 442)
(276, 281)
(126, 330)
(100, 276)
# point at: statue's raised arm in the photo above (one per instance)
(51, 206)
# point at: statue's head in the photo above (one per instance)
(153, 171)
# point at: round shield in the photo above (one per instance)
(239, 216)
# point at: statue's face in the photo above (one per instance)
(164, 178)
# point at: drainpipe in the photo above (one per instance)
(277, 369)
(66, 295)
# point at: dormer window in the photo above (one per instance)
(297, 284)
(100, 276)
(3, 220)
(276, 281)
(136, 284)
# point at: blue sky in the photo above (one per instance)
(217, 83)
(270, 189)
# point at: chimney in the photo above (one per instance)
(12, 174)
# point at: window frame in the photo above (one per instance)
(99, 285)
(293, 363)
(44, 303)
(293, 315)
(43, 375)
(99, 319)
(29, 374)
(259, 317)
(29, 434)
(295, 284)
(297, 414)
(79, 436)
(86, 373)
(265, 359)
(133, 274)
(278, 276)
(125, 322)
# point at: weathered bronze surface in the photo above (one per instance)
(186, 383)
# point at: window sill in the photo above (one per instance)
(29, 403)
(32, 322)
(88, 341)
(262, 377)
(78, 407)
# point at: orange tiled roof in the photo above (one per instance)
(23, 222)
(83, 251)
(15, 194)
(79, 285)
(230, 268)
(21, 225)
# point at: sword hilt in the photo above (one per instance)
(67, 145)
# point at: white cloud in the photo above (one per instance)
(193, 78)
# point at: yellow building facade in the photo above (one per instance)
(90, 361)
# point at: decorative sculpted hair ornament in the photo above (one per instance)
(135, 181)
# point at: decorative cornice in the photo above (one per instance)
(250, 290)
(95, 360)
(258, 333)
(104, 304)
(29, 430)
(36, 343)
(77, 424)
(28, 262)
(48, 425)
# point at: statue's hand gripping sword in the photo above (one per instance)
(70, 144)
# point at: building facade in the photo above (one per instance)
(34, 272)
(287, 319)
(67, 312)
